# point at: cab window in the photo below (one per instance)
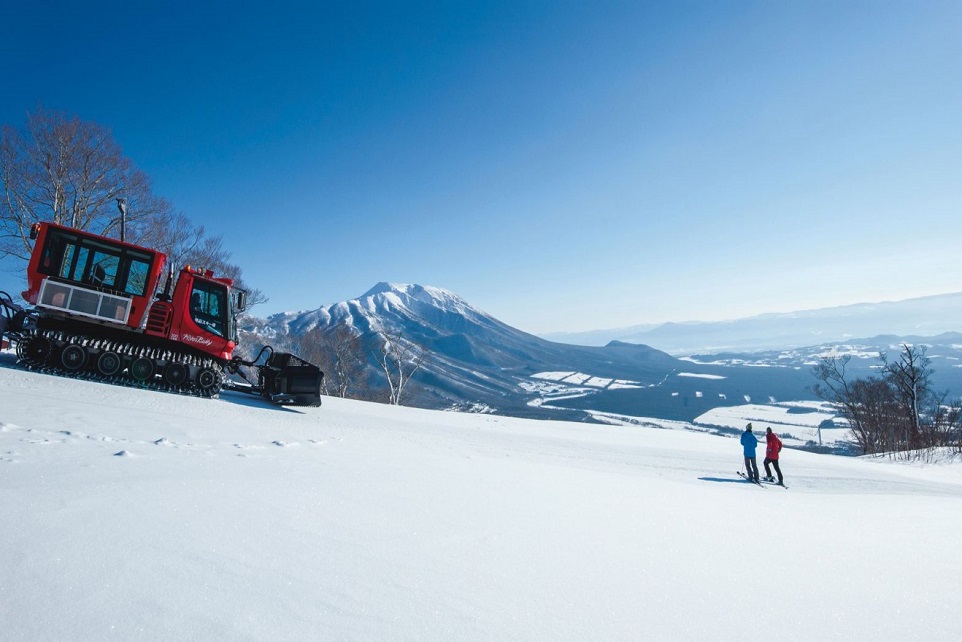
(138, 272)
(94, 262)
(208, 307)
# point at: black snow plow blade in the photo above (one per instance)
(283, 379)
(286, 378)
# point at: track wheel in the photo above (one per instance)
(206, 378)
(35, 350)
(142, 369)
(109, 363)
(175, 374)
(73, 357)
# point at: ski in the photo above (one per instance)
(777, 484)
(771, 481)
(746, 478)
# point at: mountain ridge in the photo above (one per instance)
(475, 361)
(920, 316)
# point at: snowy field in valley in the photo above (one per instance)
(136, 515)
(796, 422)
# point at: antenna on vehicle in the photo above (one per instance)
(122, 206)
(170, 278)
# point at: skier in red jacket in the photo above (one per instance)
(772, 448)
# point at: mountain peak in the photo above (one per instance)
(412, 292)
(384, 287)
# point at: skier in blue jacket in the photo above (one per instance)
(749, 443)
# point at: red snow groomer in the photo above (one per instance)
(97, 313)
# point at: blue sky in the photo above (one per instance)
(563, 166)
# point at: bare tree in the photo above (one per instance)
(835, 387)
(71, 172)
(399, 359)
(910, 375)
(339, 353)
(946, 427)
(895, 413)
(866, 404)
(880, 417)
(348, 365)
(185, 243)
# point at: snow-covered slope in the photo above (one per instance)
(138, 515)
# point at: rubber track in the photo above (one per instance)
(128, 352)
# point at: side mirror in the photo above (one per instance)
(240, 300)
(34, 231)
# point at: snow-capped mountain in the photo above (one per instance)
(476, 361)
(422, 312)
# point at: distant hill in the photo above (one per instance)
(478, 363)
(923, 316)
